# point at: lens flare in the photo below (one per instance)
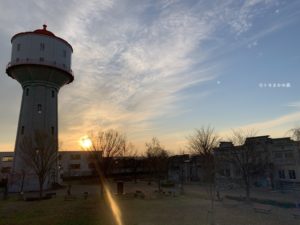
(113, 205)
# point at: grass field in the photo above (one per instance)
(187, 209)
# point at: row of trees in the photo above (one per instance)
(40, 154)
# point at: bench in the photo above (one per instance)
(296, 213)
(85, 195)
(260, 208)
(69, 197)
(229, 205)
(50, 194)
(139, 194)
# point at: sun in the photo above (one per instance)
(85, 142)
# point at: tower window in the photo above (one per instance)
(292, 174)
(74, 166)
(22, 130)
(52, 94)
(39, 108)
(52, 130)
(27, 91)
(281, 174)
(64, 53)
(18, 47)
(41, 59)
(42, 46)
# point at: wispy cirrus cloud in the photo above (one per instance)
(276, 127)
(294, 104)
(133, 60)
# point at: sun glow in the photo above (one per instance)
(85, 142)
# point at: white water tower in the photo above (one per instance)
(41, 63)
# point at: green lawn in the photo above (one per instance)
(55, 211)
(189, 209)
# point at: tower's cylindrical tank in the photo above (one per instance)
(40, 50)
(41, 63)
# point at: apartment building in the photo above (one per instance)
(280, 158)
(75, 164)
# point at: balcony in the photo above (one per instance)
(284, 161)
(40, 61)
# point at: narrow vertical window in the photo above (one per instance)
(42, 46)
(52, 130)
(18, 47)
(39, 108)
(64, 53)
(292, 174)
(22, 130)
(27, 91)
(41, 59)
(52, 94)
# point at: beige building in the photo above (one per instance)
(6, 163)
(75, 164)
(280, 158)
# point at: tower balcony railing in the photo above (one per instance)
(40, 61)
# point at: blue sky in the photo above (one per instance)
(163, 68)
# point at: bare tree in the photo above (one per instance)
(246, 157)
(295, 132)
(135, 161)
(157, 160)
(109, 144)
(105, 145)
(203, 142)
(39, 153)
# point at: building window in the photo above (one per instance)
(281, 174)
(7, 159)
(27, 91)
(41, 59)
(227, 172)
(289, 155)
(5, 170)
(17, 59)
(292, 174)
(52, 94)
(75, 157)
(39, 108)
(277, 155)
(42, 46)
(22, 130)
(92, 166)
(52, 130)
(18, 47)
(64, 53)
(238, 172)
(74, 166)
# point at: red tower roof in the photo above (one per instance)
(44, 31)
